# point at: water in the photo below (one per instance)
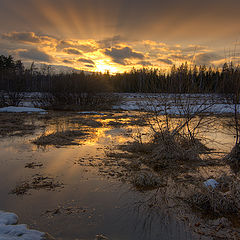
(90, 201)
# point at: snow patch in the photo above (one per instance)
(8, 218)
(92, 113)
(10, 231)
(12, 109)
(211, 183)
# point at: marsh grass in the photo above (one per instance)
(146, 180)
(166, 151)
(62, 138)
(233, 158)
(12, 124)
(222, 201)
(37, 182)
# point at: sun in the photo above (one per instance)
(105, 67)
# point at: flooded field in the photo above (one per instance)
(63, 173)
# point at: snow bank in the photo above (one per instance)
(10, 231)
(22, 110)
(173, 107)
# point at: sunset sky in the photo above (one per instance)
(116, 35)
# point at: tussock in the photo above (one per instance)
(146, 180)
(221, 201)
(214, 202)
(233, 158)
(167, 150)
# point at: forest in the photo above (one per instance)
(15, 77)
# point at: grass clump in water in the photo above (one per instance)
(167, 150)
(38, 182)
(58, 139)
(146, 180)
(224, 200)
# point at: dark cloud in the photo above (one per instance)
(71, 44)
(83, 60)
(166, 61)
(86, 48)
(35, 55)
(89, 66)
(193, 49)
(181, 57)
(72, 51)
(207, 58)
(145, 63)
(67, 61)
(64, 44)
(29, 37)
(110, 42)
(119, 55)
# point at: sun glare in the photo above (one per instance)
(104, 67)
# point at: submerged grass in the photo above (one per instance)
(12, 124)
(58, 139)
(37, 182)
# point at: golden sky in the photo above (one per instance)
(116, 35)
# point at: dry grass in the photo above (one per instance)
(224, 200)
(213, 202)
(15, 125)
(38, 182)
(233, 158)
(167, 150)
(58, 139)
(146, 180)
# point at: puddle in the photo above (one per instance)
(84, 202)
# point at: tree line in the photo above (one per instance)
(15, 77)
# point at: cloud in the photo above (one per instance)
(119, 55)
(85, 47)
(29, 37)
(89, 66)
(181, 57)
(145, 63)
(207, 58)
(110, 42)
(67, 61)
(166, 61)
(35, 55)
(193, 49)
(83, 60)
(72, 51)
(64, 44)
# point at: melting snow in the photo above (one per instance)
(211, 183)
(22, 110)
(10, 231)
